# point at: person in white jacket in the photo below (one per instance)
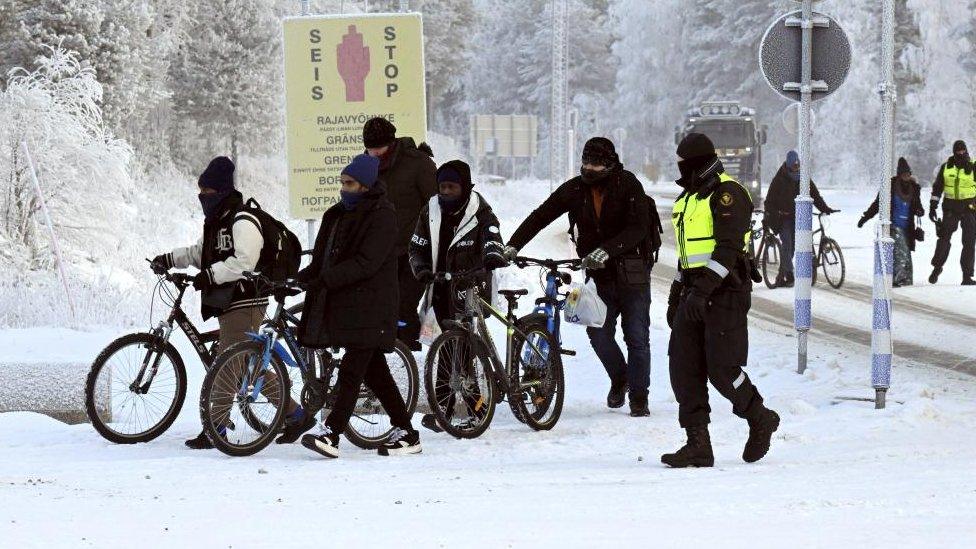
(230, 246)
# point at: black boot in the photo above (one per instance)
(617, 394)
(934, 277)
(638, 406)
(761, 429)
(968, 281)
(200, 442)
(296, 424)
(697, 452)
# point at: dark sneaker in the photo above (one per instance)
(934, 277)
(295, 425)
(638, 406)
(697, 452)
(761, 431)
(401, 443)
(968, 282)
(617, 394)
(430, 422)
(200, 442)
(324, 442)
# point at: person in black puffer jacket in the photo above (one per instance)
(610, 212)
(351, 302)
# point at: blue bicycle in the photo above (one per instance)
(549, 306)
(243, 403)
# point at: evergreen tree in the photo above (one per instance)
(915, 139)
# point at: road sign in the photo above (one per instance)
(791, 119)
(780, 56)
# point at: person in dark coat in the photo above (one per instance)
(408, 172)
(780, 212)
(351, 302)
(457, 232)
(906, 205)
(611, 215)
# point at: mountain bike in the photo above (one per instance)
(548, 307)
(137, 384)
(828, 256)
(465, 377)
(242, 404)
(768, 252)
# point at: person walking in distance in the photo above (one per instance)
(709, 303)
(957, 180)
(906, 206)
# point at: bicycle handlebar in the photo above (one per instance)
(551, 264)
(290, 284)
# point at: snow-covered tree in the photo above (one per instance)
(917, 139)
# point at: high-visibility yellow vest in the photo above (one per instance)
(959, 185)
(694, 227)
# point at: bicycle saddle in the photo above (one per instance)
(513, 293)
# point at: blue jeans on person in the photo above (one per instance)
(632, 304)
(786, 235)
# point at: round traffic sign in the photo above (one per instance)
(780, 56)
(791, 119)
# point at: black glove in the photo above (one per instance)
(673, 297)
(495, 262)
(425, 277)
(160, 264)
(281, 293)
(202, 281)
(696, 305)
(829, 211)
(934, 211)
(861, 222)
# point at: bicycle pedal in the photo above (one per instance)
(567, 352)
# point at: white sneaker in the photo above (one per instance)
(401, 442)
(323, 442)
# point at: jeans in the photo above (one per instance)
(632, 304)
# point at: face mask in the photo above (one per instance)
(593, 176)
(961, 158)
(686, 169)
(211, 203)
(350, 199)
(449, 203)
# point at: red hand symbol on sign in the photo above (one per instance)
(353, 61)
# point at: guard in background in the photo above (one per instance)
(709, 303)
(958, 181)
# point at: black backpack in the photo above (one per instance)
(282, 252)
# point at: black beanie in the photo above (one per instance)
(903, 167)
(600, 151)
(959, 145)
(696, 145)
(219, 175)
(378, 132)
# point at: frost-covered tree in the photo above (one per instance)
(916, 138)
(447, 53)
(55, 109)
(226, 76)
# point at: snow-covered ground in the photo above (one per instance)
(839, 474)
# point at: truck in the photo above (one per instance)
(737, 137)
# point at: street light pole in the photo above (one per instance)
(803, 237)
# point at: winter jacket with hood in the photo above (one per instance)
(780, 203)
(410, 182)
(352, 298)
(913, 192)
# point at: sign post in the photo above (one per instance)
(805, 56)
(340, 71)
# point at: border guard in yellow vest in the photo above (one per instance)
(957, 181)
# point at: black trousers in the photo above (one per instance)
(956, 214)
(366, 366)
(411, 290)
(715, 351)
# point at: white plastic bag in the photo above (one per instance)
(584, 306)
(429, 328)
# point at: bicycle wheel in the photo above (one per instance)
(242, 408)
(832, 261)
(370, 426)
(124, 414)
(460, 386)
(537, 382)
(770, 261)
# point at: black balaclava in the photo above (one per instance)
(598, 151)
(218, 176)
(960, 160)
(698, 157)
(459, 172)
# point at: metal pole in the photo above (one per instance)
(558, 130)
(50, 225)
(803, 237)
(307, 10)
(881, 349)
(404, 6)
(305, 7)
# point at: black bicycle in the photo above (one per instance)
(137, 384)
(465, 377)
(242, 403)
(828, 256)
(768, 252)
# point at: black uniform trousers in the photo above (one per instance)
(713, 351)
(411, 290)
(366, 366)
(956, 213)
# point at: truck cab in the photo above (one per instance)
(737, 137)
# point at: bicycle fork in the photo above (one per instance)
(154, 353)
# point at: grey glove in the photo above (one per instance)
(596, 260)
(510, 253)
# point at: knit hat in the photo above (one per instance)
(600, 151)
(218, 176)
(364, 169)
(696, 145)
(903, 167)
(959, 145)
(458, 172)
(792, 159)
(378, 132)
